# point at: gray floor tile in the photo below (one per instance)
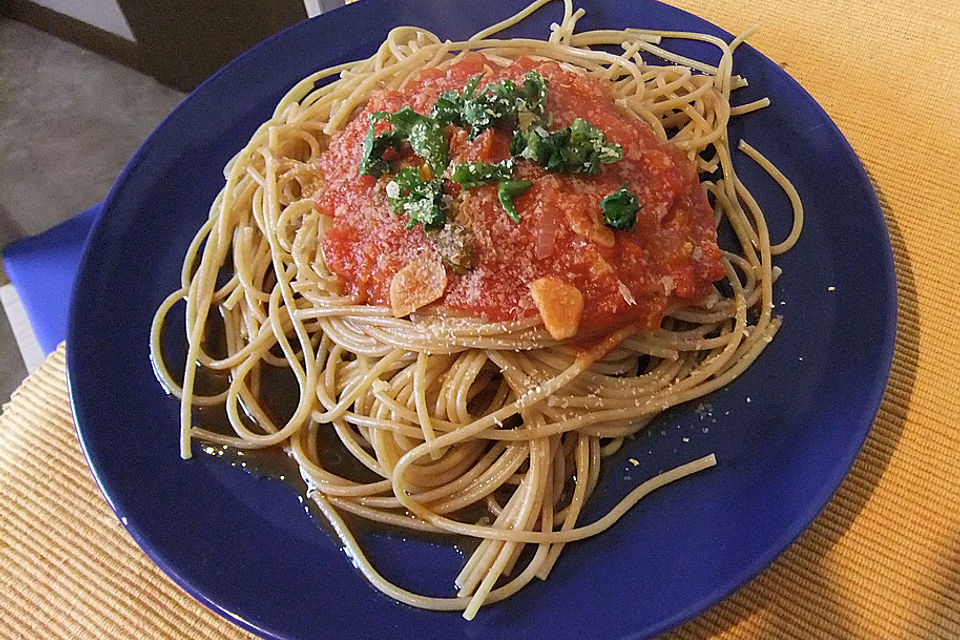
(69, 120)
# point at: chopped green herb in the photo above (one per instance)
(533, 143)
(496, 103)
(534, 92)
(579, 148)
(620, 209)
(471, 175)
(421, 200)
(400, 187)
(510, 189)
(372, 162)
(448, 108)
(499, 102)
(424, 134)
(401, 120)
(428, 142)
(582, 133)
(472, 85)
(531, 103)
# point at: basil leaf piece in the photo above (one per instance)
(472, 85)
(534, 92)
(401, 120)
(510, 189)
(471, 175)
(427, 140)
(534, 144)
(399, 189)
(620, 209)
(448, 108)
(424, 134)
(496, 103)
(500, 102)
(371, 159)
(421, 200)
(587, 147)
(579, 148)
(426, 209)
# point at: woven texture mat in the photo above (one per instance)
(880, 562)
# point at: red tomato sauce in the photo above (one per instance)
(671, 258)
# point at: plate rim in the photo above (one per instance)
(869, 406)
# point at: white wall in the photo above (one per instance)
(316, 7)
(313, 7)
(104, 14)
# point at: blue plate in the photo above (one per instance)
(785, 433)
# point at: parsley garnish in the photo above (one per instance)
(418, 191)
(421, 200)
(496, 103)
(620, 209)
(579, 148)
(510, 189)
(500, 102)
(534, 92)
(472, 85)
(424, 134)
(372, 162)
(471, 175)
(448, 108)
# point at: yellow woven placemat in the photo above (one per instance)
(68, 569)
(883, 559)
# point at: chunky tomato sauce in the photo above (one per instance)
(625, 277)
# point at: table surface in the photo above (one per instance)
(881, 561)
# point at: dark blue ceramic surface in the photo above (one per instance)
(785, 433)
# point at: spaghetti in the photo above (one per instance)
(493, 430)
